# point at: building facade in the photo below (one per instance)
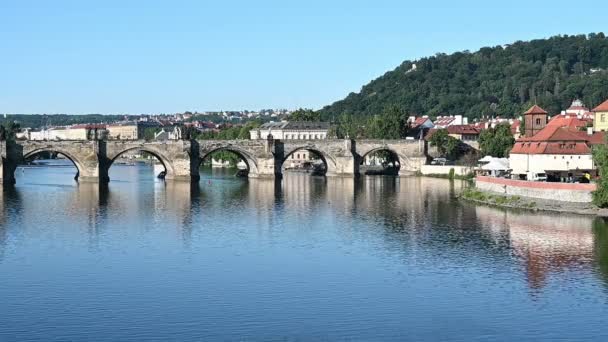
(294, 131)
(562, 149)
(291, 131)
(125, 131)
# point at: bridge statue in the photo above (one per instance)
(182, 158)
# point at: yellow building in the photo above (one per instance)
(127, 131)
(600, 117)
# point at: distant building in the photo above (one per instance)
(445, 121)
(464, 132)
(291, 131)
(125, 131)
(577, 108)
(76, 132)
(168, 134)
(418, 127)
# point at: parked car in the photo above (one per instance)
(439, 161)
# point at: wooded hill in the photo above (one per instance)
(502, 80)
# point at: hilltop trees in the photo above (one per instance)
(390, 123)
(502, 80)
(305, 115)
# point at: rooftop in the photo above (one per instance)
(602, 107)
(536, 110)
(299, 125)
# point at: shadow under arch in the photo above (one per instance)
(164, 160)
(30, 156)
(328, 161)
(247, 158)
(381, 161)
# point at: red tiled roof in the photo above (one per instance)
(579, 147)
(419, 121)
(444, 121)
(535, 110)
(463, 129)
(562, 135)
(602, 107)
(515, 126)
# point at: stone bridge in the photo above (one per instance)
(182, 158)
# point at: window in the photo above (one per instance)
(298, 156)
(603, 118)
(538, 121)
(293, 156)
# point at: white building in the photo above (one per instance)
(291, 131)
(78, 132)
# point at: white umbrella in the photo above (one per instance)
(486, 159)
(497, 164)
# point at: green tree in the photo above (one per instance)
(9, 130)
(305, 115)
(447, 146)
(150, 133)
(497, 141)
(600, 158)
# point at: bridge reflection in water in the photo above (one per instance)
(420, 215)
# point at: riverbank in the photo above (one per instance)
(528, 203)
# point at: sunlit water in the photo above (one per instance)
(303, 259)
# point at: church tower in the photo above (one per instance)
(535, 119)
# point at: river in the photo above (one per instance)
(306, 258)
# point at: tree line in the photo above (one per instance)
(494, 81)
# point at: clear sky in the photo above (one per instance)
(151, 56)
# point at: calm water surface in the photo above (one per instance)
(302, 259)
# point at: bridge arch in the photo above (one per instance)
(391, 160)
(249, 159)
(162, 157)
(81, 165)
(329, 161)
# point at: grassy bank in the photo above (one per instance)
(472, 194)
(475, 195)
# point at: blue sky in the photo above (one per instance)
(153, 56)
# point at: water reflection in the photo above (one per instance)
(301, 251)
(547, 243)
